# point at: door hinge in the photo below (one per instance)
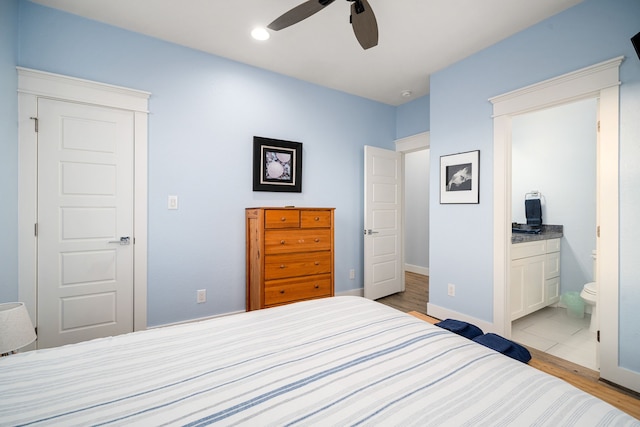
(35, 120)
(598, 336)
(598, 125)
(35, 229)
(598, 231)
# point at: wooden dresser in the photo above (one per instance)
(290, 255)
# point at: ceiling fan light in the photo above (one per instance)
(260, 33)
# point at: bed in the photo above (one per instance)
(332, 362)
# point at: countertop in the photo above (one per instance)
(548, 232)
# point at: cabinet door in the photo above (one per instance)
(528, 285)
(553, 291)
(534, 284)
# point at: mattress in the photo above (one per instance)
(332, 362)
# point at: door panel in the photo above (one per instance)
(383, 226)
(85, 205)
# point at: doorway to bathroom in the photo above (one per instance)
(554, 154)
(600, 81)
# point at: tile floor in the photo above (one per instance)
(553, 331)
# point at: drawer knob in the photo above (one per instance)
(316, 218)
(317, 263)
(283, 266)
(282, 242)
(317, 286)
(282, 291)
(317, 240)
(283, 219)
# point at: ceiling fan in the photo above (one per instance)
(363, 20)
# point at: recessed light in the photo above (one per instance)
(260, 33)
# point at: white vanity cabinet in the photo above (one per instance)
(535, 276)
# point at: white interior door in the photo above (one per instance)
(85, 222)
(382, 222)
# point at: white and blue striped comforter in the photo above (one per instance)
(330, 362)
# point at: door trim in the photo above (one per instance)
(598, 81)
(34, 84)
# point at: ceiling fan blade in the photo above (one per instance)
(365, 25)
(299, 13)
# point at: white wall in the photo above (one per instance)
(416, 186)
(554, 152)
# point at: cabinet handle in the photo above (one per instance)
(283, 266)
(282, 242)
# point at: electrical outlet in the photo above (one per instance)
(451, 290)
(201, 296)
(352, 274)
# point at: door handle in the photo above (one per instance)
(370, 232)
(123, 241)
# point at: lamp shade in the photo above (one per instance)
(16, 329)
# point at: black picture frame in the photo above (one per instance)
(277, 165)
(459, 178)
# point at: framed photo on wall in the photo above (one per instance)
(277, 165)
(459, 178)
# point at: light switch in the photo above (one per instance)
(172, 202)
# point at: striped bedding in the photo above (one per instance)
(331, 362)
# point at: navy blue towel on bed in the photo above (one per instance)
(504, 346)
(464, 329)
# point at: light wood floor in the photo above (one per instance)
(415, 297)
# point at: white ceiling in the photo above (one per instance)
(417, 37)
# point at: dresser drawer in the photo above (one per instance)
(315, 219)
(285, 291)
(289, 241)
(282, 218)
(303, 264)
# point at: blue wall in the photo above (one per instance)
(591, 32)
(205, 111)
(9, 151)
(413, 117)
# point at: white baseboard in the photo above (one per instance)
(351, 292)
(416, 269)
(195, 320)
(444, 313)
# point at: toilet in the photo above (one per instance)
(589, 295)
